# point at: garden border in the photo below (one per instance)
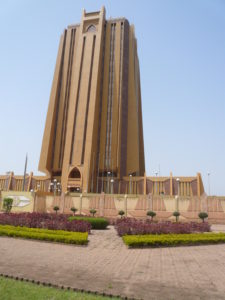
(62, 287)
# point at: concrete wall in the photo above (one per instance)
(22, 201)
(109, 205)
(136, 206)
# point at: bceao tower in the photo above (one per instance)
(94, 125)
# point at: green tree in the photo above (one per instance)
(176, 214)
(56, 208)
(151, 214)
(7, 204)
(203, 215)
(121, 213)
(73, 209)
(93, 211)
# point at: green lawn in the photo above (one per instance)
(11, 289)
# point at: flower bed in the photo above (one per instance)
(79, 238)
(173, 239)
(96, 223)
(44, 220)
(128, 226)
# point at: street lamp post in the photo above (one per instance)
(112, 181)
(108, 174)
(58, 187)
(50, 187)
(178, 188)
(208, 183)
(54, 186)
(130, 183)
(156, 184)
(178, 192)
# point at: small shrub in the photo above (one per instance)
(80, 238)
(93, 211)
(96, 223)
(163, 240)
(73, 209)
(121, 213)
(44, 220)
(151, 214)
(176, 214)
(7, 204)
(131, 226)
(56, 208)
(203, 215)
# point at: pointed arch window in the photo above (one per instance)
(75, 173)
(91, 28)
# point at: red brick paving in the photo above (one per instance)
(106, 265)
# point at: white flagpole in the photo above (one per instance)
(25, 171)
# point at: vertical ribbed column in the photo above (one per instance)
(98, 157)
(77, 102)
(124, 109)
(88, 100)
(67, 95)
(57, 101)
(110, 99)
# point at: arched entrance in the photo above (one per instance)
(75, 173)
(74, 181)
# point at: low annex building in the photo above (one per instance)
(136, 185)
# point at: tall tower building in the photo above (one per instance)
(93, 128)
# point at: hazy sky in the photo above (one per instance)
(181, 47)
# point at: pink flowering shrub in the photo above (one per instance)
(44, 220)
(129, 226)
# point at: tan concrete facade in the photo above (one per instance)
(94, 120)
(135, 206)
(134, 185)
(93, 137)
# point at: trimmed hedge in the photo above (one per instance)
(173, 239)
(68, 237)
(45, 221)
(96, 223)
(131, 226)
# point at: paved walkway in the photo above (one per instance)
(106, 265)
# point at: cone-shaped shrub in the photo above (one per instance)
(56, 208)
(203, 215)
(121, 213)
(73, 209)
(93, 211)
(151, 214)
(176, 214)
